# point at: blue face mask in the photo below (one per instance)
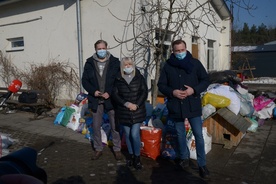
(181, 55)
(101, 53)
(128, 70)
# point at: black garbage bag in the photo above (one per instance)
(28, 97)
(226, 76)
(22, 161)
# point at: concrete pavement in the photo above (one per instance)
(68, 157)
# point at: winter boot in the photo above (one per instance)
(137, 163)
(129, 160)
(204, 172)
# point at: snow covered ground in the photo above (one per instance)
(261, 80)
(265, 85)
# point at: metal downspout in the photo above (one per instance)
(80, 53)
(230, 34)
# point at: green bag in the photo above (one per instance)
(66, 117)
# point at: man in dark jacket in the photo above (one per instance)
(98, 78)
(182, 80)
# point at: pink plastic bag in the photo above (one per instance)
(261, 102)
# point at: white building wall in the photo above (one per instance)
(220, 33)
(53, 33)
(52, 36)
(105, 20)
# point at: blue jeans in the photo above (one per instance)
(133, 139)
(184, 153)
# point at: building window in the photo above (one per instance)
(16, 44)
(167, 36)
(195, 40)
(210, 55)
(195, 47)
(165, 51)
(165, 45)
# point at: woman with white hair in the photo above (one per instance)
(129, 94)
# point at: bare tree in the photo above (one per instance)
(155, 23)
(8, 71)
(53, 77)
(245, 5)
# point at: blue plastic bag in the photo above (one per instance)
(59, 116)
(274, 113)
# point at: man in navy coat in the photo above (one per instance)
(182, 80)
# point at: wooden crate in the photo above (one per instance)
(226, 128)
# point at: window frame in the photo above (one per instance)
(210, 55)
(16, 44)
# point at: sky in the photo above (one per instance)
(265, 13)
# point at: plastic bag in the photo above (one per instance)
(158, 111)
(59, 116)
(192, 146)
(228, 92)
(261, 102)
(266, 112)
(5, 143)
(169, 140)
(151, 141)
(28, 97)
(254, 124)
(274, 113)
(217, 101)
(67, 115)
(221, 77)
(246, 108)
(207, 110)
(74, 121)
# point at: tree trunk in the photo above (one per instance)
(155, 87)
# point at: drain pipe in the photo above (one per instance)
(80, 53)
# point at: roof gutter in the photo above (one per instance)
(4, 2)
(221, 8)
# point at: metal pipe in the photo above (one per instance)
(80, 53)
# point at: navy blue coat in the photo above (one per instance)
(90, 81)
(135, 92)
(174, 77)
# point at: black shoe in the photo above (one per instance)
(137, 163)
(97, 155)
(118, 155)
(184, 163)
(177, 160)
(129, 160)
(204, 172)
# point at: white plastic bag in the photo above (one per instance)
(5, 143)
(207, 143)
(207, 110)
(74, 121)
(227, 91)
(74, 118)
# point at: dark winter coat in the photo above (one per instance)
(91, 84)
(174, 75)
(135, 92)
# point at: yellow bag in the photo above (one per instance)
(215, 100)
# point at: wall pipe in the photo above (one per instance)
(80, 51)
